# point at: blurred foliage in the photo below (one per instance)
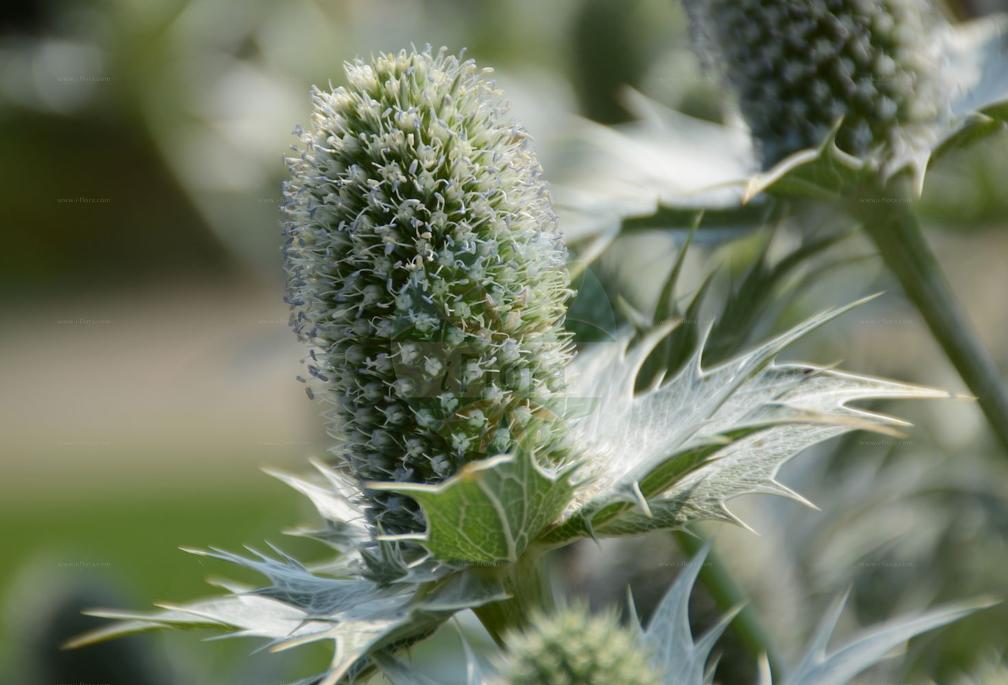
(121, 551)
(614, 44)
(89, 193)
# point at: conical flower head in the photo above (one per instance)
(576, 647)
(425, 273)
(799, 66)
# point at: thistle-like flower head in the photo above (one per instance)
(799, 66)
(425, 273)
(576, 647)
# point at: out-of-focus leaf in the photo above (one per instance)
(474, 671)
(684, 662)
(845, 663)
(825, 173)
(675, 348)
(978, 68)
(668, 635)
(591, 316)
(399, 673)
(666, 161)
(752, 298)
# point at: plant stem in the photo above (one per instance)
(530, 589)
(889, 221)
(727, 595)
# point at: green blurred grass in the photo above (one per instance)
(132, 540)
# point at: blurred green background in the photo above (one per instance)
(147, 372)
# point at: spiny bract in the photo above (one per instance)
(575, 647)
(798, 66)
(425, 273)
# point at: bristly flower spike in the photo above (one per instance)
(426, 275)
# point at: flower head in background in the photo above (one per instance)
(832, 94)
(425, 274)
(575, 646)
(798, 68)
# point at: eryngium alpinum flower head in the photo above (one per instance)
(575, 647)
(425, 273)
(799, 66)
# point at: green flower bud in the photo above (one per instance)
(425, 273)
(576, 647)
(799, 66)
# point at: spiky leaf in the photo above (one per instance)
(669, 637)
(299, 607)
(671, 650)
(682, 449)
(844, 664)
(336, 500)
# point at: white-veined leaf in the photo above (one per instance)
(491, 510)
(681, 449)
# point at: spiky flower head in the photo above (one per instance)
(425, 273)
(576, 647)
(799, 66)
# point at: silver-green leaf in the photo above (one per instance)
(669, 637)
(491, 510)
(683, 448)
(844, 664)
(358, 616)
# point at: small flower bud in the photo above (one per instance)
(575, 646)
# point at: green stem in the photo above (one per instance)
(528, 584)
(727, 595)
(889, 221)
